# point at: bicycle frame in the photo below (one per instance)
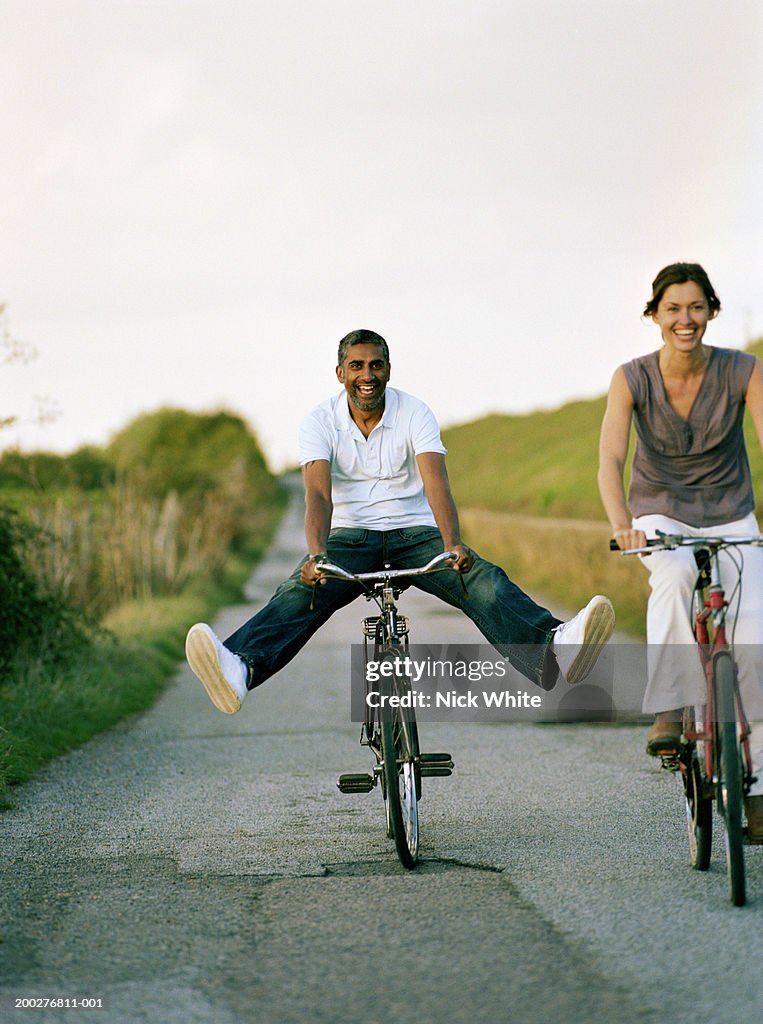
(390, 628)
(709, 615)
(724, 773)
(392, 736)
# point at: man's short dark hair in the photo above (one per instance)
(361, 337)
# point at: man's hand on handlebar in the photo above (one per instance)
(309, 573)
(465, 557)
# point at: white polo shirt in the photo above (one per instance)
(375, 481)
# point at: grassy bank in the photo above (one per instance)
(563, 561)
(45, 714)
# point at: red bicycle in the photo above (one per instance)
(713, 758)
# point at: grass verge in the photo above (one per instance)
(44, 715)
(564, 561)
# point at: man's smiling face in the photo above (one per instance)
(364, 374)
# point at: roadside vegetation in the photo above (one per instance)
(106, 556)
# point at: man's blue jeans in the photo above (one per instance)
(510, 620)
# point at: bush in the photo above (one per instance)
(36, 623)
(86, 469)
(165, 504)
(191, 453)
(90, 469)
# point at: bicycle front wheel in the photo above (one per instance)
(399, 747)
(730, 774)
(699, 813)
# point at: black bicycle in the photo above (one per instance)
(389, 724)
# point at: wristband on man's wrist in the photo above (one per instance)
(320, 557)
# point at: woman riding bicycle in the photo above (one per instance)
(690, 475)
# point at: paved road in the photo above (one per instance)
(192, 867)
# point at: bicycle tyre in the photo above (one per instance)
(399, 782)
(730, 775)
(415, 740)
(699, 814)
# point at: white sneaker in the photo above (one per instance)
(221, 671)
(579, 642)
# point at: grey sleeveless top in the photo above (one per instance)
(694, 470)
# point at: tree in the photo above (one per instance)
(13, 350)
(175, 450)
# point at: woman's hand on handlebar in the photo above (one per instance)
(628, 538)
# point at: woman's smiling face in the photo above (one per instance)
(682, 316)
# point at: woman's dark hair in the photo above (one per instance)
(681, 273)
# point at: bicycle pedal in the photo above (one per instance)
(356, 782)
(670, 762)
(432, 765)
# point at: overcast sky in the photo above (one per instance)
(200, 198)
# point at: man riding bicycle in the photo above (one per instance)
(376, 492)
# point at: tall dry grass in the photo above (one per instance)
(121, 545)
(564, 562)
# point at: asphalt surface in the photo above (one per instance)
(193, 867)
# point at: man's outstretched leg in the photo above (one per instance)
(222, 673)
(269, 640)
(578, 643)
(537, 643)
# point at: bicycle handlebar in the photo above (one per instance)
(434, 565)
(671, 541)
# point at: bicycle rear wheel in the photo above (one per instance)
(730, 774)
(399, 747)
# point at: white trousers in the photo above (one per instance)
(674, 673)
